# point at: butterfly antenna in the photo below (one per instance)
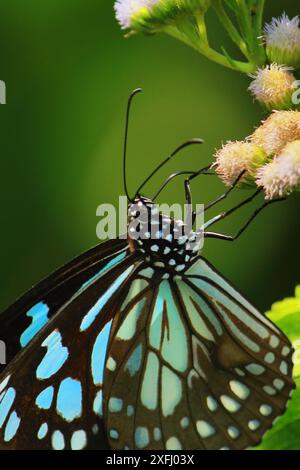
(189, 142)
(132, 95)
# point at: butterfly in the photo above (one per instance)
(140, 343)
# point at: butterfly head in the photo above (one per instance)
(166, 243)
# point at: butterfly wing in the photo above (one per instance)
(197, 367)
(51, 392)
(22, 320)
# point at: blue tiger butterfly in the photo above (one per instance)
(141, 344)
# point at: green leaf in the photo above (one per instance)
(285, 434)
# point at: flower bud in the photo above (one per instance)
(150, 16)
(273, 86)
(281, 176)
(280, 128)
(234, 158)
(282, 37)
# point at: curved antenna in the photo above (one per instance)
(203, 171)
(163, 163)
(132, 95)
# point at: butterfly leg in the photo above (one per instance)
(220, 198)
(244, 227)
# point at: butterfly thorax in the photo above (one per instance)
(165, 243)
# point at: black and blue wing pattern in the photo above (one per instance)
(195, 366)
(139, 359)
(23, 319)
(51, 391)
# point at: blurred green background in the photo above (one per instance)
(68, 72)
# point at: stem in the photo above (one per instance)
(209, 53)
(258, 25)
(202, 27)
(230, 28)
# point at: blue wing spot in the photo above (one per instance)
(69, 399)
(134, 362)
(90, 317)
(58, 440)
(78, 440)
(114, 434)
(141, 437)
(6, 404)
(39, 315)
(99, 354)
(103, 270)
(42, 432)
(55, 357)
(98, 404)
(12, 427)
(44, 399)
(115, 405)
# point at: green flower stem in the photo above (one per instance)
(204, 49)
(230, 28)
(202, 27)
(258, 27)
(252, 28)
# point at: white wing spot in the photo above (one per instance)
(114, 434)
(205, 429)
(180, 267)
(278, 383)
(255, 369)
(230, 404)
(78, 440)
(185, 422)
(240, 372)
(239, 389)
(233, 432)
(285, 350)
(58, 440)
(157, 434)
(269, 358)
(283, 368)
(265, 410)
(254, 424)
(173, 444)
(269, 390)
(212, 403)
(154, 248)
(111, 364)
(274, 341)
(95, 429)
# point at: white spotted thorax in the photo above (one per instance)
(166, 243)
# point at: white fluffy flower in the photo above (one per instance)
(234, 158)
(282, 38)
(281, 176)
(126, 9)
(273, 86)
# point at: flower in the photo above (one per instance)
(273, 86)
(150, 16)
(280, 128)
(127, 9)
(281, 176)
(235, 157)
(282, 37)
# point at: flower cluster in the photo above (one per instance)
(270, 156)
(273, 85)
